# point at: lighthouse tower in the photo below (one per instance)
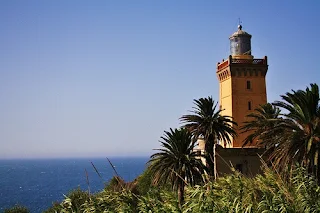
(242, 82)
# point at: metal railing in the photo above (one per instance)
(241, 61)
(248, 61)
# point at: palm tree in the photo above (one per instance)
(300, 130)
(207, 122)
(176, 162)
(259, 123)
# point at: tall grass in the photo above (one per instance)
(268, 192)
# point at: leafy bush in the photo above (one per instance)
(264, 193)
(17, 209)
(72, 203)
(75, 199)
(111, 201)
(158, 201)
(269, 192)
(115, 184)
(144, 182)
(55, 208)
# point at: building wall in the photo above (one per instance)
(235, 96)
(241, 96)
(226, 100)
(246, 160)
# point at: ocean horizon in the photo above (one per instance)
(39, 182)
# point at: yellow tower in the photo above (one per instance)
(242, 82)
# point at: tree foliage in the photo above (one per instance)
(293, 136)
(300, 130)
(176, 162)
(261, 121)
(206, 121)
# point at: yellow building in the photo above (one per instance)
(242, 89)
(242, 82)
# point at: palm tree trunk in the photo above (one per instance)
(210, 150)
(181, 193)
(317, 173)
(214, 162)
(210, 161)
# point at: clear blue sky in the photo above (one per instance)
(106, 78)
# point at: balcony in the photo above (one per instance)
(231, 61)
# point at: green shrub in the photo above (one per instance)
(269, 192)
(115, 184)
(17, 209)
(74, 200)
(72, 203)
(112, 201)
(264, 193)
(158, 201)
(55, 208)
(144, 182)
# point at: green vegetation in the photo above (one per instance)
(74, 200)
(17, 209)
(207, 122)
(291, 137)
(268, 192)
(264, 193)
(144, 182)
(176, 163)
(262, 120)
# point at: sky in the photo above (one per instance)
(107, 78)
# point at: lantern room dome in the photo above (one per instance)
(240, 44)
(240, 33)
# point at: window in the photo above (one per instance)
(248, 85)
(249, 105)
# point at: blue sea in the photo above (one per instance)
(36, 184)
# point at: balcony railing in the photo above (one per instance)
(223, 64)
(248, 61)
(241, 61)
